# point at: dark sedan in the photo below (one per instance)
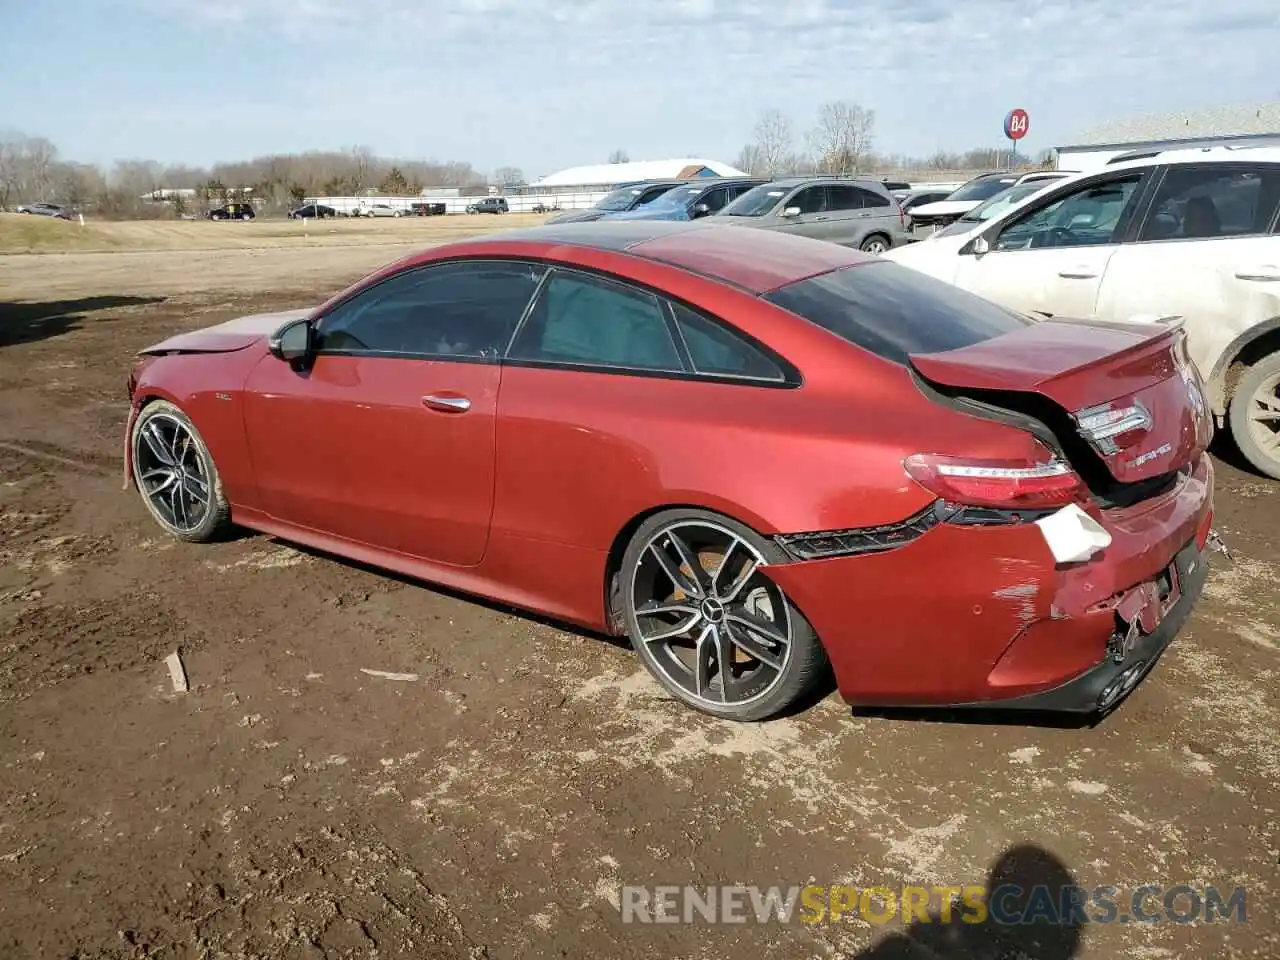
(630, 197)
(313, 211)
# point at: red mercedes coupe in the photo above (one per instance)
(760, 457)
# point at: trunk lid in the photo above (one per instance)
(1124, 397)
(227, 337)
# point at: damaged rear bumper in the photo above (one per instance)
(982, 616)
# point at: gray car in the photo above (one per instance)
(853, 213)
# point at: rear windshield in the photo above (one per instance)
(982, 189)
(894, 311)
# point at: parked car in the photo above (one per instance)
(897, 188)
(593, 389)
(232, 211)
(313, 211)
(919, 197)
(630, 197)
(1191, 233)
(1003, 201)
(927, 218)
(489, 205)
(41, 209)
(378, 210)
(691, 200)
(428, 209)
(855, 213)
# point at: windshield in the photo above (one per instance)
(1003, 200)
(620, 199)
(677, 198)
(982, 189)
(756, 202)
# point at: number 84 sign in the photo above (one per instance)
(1016, 124)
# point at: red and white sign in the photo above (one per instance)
(1016, 124)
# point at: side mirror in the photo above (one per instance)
(791, 212)
(980, 246)
(701, 209)
(293, 342)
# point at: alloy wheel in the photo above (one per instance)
(172, 473)
(875, 246)
(711, 623)
(1264, 417)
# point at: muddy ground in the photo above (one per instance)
(292, 805)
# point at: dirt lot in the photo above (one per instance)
(292, 805)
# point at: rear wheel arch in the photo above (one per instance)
(1256, 343)
(618, 548)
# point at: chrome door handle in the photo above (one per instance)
(1267, 274)
(445, 403)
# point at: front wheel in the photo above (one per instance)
(174, 471)
(708, 623)
(1255, 415)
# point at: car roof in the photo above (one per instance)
(1220, 154)
(755, 260)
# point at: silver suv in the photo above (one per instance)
(853, 213)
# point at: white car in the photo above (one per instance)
(928, 217)
(1187, 233)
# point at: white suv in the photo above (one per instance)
(1188, 233)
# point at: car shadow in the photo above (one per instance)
(1022, 878)
(32, 321)
(1224, 448)
(983, 716)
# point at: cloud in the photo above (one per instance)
(547, 83)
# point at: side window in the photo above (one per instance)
(717, 351)
(738, 190)
(841, 196)
(872, 199)
(580, 319)
(1090, 216)
(460, 309)
(653, 193)
(1218, 201)
(715, 200)
(810, 200)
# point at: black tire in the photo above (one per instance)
(804, 668)
(214, 520)
(1257, 379)
(876, 244)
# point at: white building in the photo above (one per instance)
(606, 176)
(1255, 125)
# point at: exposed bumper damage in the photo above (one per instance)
(972, 614)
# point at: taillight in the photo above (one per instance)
(1114, 428)
(902, 217)
(1009, 484)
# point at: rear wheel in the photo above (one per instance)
(708, 624)
(1255, 415)
(876, 244)
(174, 471)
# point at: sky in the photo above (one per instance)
(546, 84)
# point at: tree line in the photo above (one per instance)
(31, 169)
(841, 143)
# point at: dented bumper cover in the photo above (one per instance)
(983, 616)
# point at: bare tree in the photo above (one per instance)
(10, 169)
(774, 137)
(619, 156)
(842, 138)
(508, 176)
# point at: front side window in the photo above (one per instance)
(715, 200)
(583, 320)
(1228, 200)
(810, 200)
(894, 311)
(464, 309)
(1090, 216)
